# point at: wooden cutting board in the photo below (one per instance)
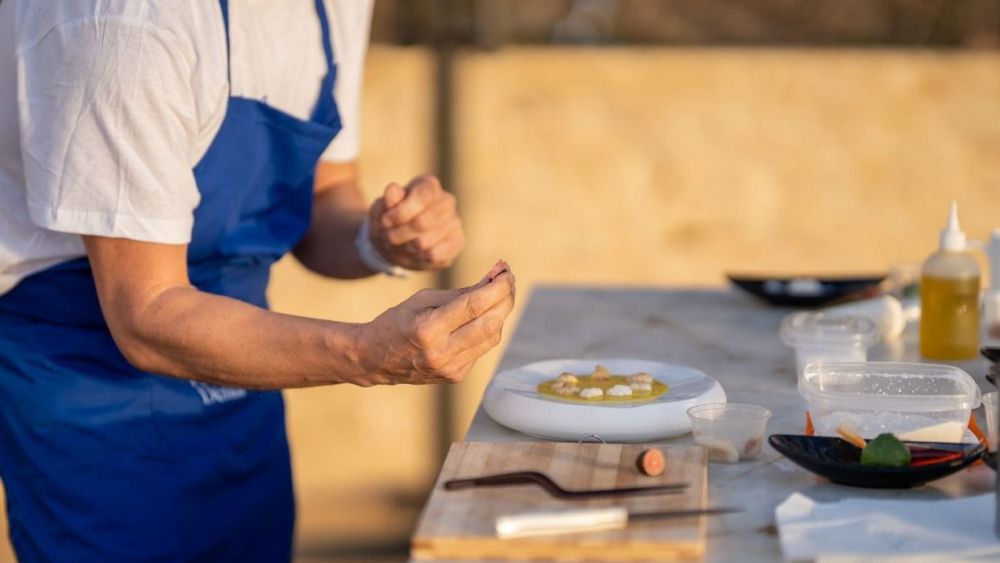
(459, 524)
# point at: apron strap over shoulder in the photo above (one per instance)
(224, 5)
(324, 24)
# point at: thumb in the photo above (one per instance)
(500, 267)
(393, 195)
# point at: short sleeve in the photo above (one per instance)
(109, 124)
(351, 24)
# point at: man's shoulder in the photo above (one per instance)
(192, 21)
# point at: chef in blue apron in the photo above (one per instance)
(156, 158)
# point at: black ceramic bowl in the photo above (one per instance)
(840, 462)
(990, 353)
(993, 355)
(803, 291)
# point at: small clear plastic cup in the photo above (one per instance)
(991, 404)
(820, 337)
(731, 432)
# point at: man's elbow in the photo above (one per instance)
(136, 349)
(134, 329)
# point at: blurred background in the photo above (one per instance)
(636, 142)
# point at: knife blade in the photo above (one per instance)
(531, 524)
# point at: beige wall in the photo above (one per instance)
(639, 166)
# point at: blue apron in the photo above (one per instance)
(103, 462)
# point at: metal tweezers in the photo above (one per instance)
(543, 480)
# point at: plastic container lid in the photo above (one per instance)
(889, 387)
(805, 328)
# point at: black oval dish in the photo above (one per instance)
(803, 291)
(993, 355)
(990, 353)
(840, 462)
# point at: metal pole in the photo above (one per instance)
(445, 31)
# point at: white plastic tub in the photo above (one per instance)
(916, 402)
(821, 337)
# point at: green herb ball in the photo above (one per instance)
(885, 451)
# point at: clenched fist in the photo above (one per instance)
(437, 335)
(417, 227)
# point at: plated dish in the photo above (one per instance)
(804, 290)
(840, 461)
(600, 385)
(514, 400)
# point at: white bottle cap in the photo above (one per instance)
(952, 236)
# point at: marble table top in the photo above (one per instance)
(733, 338)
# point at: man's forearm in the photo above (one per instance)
(328, 248)
(339, 208)
(186, 333)
(163, 324)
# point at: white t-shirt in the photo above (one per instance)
(107, 106)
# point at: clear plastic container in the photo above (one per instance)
(916, 402)
(991, 404)
(731, 432)
(822, 337)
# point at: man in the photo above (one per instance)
(155, 159)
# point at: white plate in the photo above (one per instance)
(512, 400)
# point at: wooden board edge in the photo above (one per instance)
(495, 548)
(438, 483)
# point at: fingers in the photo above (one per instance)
(375, 212)
(431, 250)
(483, 331)
(426, 241)
(500, 267)
(442, 253)
(438, 215)
(455, 356)
(475, 302)
(394, 194)
(433, 298)
(421, 193)
(417, 227)
(447, 330)
(475, 339)
(390, 198)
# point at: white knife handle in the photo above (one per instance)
(562, 522)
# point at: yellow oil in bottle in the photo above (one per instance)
(949, 318)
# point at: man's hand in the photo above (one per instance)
(437, 335)
(417, 227)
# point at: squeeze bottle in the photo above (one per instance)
(949, 297)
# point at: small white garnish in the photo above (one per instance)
(567, 378)
(641, 377)
(718, 450)
(641, 387)
(565, 388)
(591, 393)
(620, 391)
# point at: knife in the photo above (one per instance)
(587, 520)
